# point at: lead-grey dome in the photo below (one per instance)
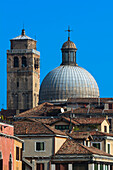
(68, 81)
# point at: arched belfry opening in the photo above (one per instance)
(24, 61)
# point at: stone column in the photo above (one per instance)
(33, 165)
(108, 167)
(69, 166)
(46, 165)
(98, 166)
(52, 166)
(91, 166)
(103, 167)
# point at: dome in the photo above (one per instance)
(69, 44)
(68, 81)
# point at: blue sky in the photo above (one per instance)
(92, 25)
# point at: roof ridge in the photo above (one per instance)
(85, 147)
(48, 127)
(75, 121)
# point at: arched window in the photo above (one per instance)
(16, 62)
(10, 162)
(24, 61)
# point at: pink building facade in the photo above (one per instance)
(6, 146)
(7, 151)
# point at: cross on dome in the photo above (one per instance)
(68, 33)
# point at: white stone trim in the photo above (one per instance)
(91, 166)
(70, 167)
(52, 166)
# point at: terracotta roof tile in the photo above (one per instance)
(89, 100)
(48, 120)
(80, 135)
(34, 127)
(75, 121)
(43, 109)
(93, 120)
(83, 135)
(66, 119)
(86, 110)
(98, 133)
(8, 112)
(71, 147)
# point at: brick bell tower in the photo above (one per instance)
(23, 73)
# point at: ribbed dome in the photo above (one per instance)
(68, 81)
(68, 44)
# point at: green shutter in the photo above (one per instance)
(96, 167)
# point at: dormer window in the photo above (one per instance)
(97, 145)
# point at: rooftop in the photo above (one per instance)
(89, 100)
(71, 147)
(43, 109)
(23, 37)
(33, 127)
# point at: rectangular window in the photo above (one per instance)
(108, 148)
(66, 56)
(71, 56)
(17, 84)
(62, 127)
(20, 154)
(23, 146)
(86, 142)
(79, 166)
(17, 153)
(40, 146)
(36, 63)
(110, 106)
(40, 166)
(96, 145)
(105, 128)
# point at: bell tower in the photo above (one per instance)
(23, 73)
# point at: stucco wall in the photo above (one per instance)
(6, 145)
(59, 142)
(17, 164)
(104, 123)
(111, 146)
(30, 146)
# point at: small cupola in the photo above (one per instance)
(68, 52)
